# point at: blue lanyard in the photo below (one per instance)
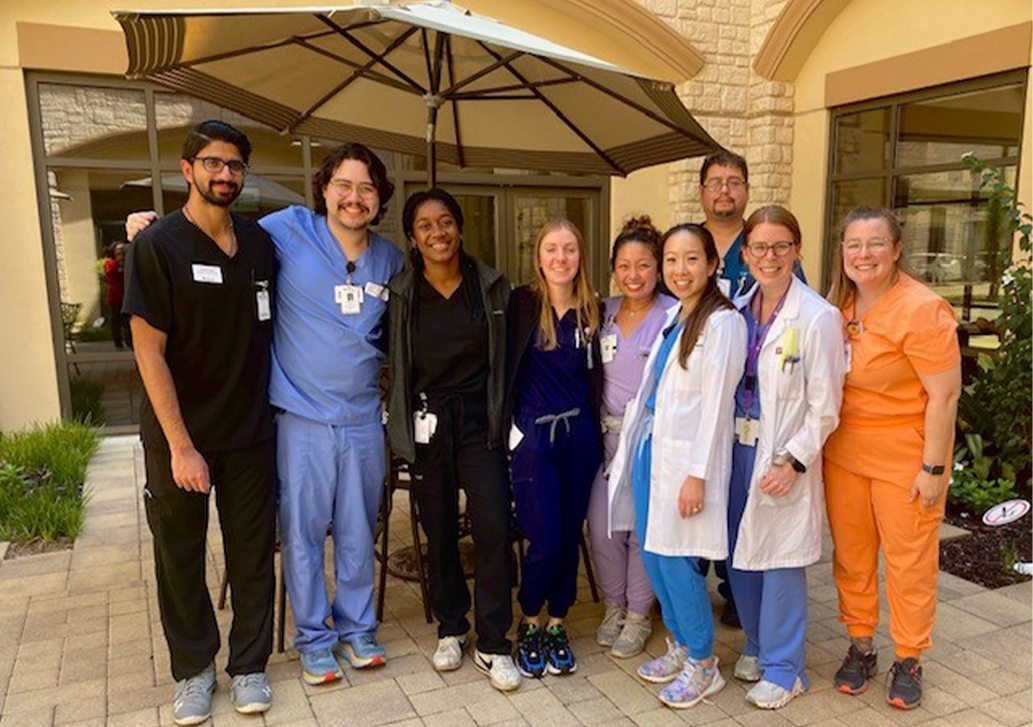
(758, 334)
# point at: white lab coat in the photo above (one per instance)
(692, 435)
(799, 409)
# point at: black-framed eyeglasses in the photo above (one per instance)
(734, 184)
(216, 164)
(760, 249)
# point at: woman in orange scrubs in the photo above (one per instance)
(887, 466)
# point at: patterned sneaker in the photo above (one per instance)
(500, 669)
(251, 693)
(559, 657)
(361, 651)
(631, 642)
(747, 669)
(905, 690)
(193, 701)
(694, 684)
(664, 668)
(768, 695)
(610, 628)
(530, 656)
(449, 654)
(320, 667)
(858, 667)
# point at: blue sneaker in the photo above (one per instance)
(320, 667)
(558, 655)
(530, 656)
(361, 651)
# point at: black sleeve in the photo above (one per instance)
(148, 291)
(595, 378)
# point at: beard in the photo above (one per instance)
(359, 226)
(209, 194)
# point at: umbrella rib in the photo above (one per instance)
(617, 97)
(372, 54)
(486, 93)
(356, 74)
(455, 105)
(559, 114)
(481, 73)
(368, 73)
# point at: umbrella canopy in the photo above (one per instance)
(422, 78)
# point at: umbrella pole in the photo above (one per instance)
(433, 103)
(432, 152)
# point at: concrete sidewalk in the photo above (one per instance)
(81, 644)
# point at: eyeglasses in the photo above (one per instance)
(875, 245)
(760, 249)
(734, 184)
(215, 165)
(344, 188)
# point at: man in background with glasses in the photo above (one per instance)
(200, 289)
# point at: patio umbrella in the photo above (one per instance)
(422, 78)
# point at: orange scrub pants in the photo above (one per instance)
(868, 507)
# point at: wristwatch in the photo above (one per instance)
(933, 469)
(784, 457)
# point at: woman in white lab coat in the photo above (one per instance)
(786, 405)
(675, 456)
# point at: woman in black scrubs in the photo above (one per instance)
(447, 341)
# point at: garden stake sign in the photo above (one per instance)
(1006, 512)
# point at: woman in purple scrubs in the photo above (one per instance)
(631, 322)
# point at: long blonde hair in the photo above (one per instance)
(586, 305)
(843, 289)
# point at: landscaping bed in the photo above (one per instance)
(987, 554)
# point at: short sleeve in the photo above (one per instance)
(931, 343)
(148, 291)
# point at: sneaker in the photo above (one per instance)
(747, 669)
(361, 651)
(664, 668)
(559, 658)
(768, 695)
(193, 701)
(500, 668)
(905, 690)
(631, 642)
(320, 667)
(251, 693)
(449, 654)
(694, 684)
(858, 667)
(530, 656)
(610, 628)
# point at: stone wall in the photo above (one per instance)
(742, 111)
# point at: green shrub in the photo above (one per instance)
(86, 401)
(972, 485)
(41, 481)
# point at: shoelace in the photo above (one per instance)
(613, 618)
(250, 680)
(366, 640)
(559, 640)
(532, 642)
(194, 687)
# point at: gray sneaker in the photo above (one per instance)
(610, 627)
(193, 701)
(631, 642)
(251, 693)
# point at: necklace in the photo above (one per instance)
(233, 232)
(632, 313)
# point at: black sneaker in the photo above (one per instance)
(558, 655)
(905, 690)
(858, 667)
(530, 657)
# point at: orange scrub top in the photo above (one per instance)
(909, 331)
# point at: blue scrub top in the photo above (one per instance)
(666, 346)
(325, 364)
(555, 381)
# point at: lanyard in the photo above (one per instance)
(758, 334)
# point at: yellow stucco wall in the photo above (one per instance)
(864, 32)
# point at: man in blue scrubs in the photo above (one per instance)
(328, 345)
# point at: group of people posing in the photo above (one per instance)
(711, 411)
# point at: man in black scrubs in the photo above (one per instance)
(199, 290)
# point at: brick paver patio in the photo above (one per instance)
(81, 644)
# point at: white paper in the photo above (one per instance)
(207, 273)
(264, 310)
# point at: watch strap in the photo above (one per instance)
(933, 469)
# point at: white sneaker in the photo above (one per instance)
(610, 628)
(768, 695)
(500, 668)
(747, 669)
(634, 633)
(449, 654)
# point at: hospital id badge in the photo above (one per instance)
(264, 310)
(747, 430)
(849, 350)
(608, 347)
(349, 297)
(424, 426)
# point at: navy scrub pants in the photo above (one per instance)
(553, 468)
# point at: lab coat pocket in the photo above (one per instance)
(675, 457)
(790, 380)
(794, 496)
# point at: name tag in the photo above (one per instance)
(424, 426)
(608, 347)
(207, 273)
(349, 297)
(376, 291)
(264, 310)
(747, 431)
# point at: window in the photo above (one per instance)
(905, 153)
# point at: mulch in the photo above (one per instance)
(37, 546)
(985, 556)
